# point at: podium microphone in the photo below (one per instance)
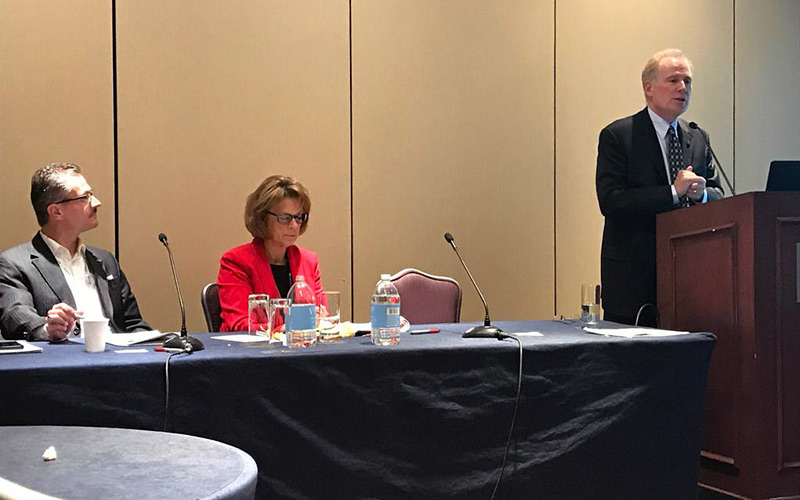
(693, 125)
(184, 342)
(486, 331)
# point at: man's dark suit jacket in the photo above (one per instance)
(632, 187)
(31, 282)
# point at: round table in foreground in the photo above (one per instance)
(97, 462)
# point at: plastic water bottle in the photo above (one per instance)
(301, 323)
(385, 313)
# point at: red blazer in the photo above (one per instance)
(245, 270)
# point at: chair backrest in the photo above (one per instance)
(209, 298)
(426, 298)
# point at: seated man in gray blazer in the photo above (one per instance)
(48, 284)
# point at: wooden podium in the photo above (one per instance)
(731, 267)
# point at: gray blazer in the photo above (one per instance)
(31, 282)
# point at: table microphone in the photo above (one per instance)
(486, 330)
(184, 342)
(693, 125)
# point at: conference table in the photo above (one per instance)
(597, 416)
(123, 464)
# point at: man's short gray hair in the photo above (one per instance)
(650, 71)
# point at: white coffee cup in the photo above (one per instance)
(94, 333)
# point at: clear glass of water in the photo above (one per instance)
(258, 314)
(329, 315)
(590, 303)
(279, 311)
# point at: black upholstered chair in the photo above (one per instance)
(211, 309)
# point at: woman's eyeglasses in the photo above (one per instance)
(285, 219)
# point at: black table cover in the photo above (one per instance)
(599, 417)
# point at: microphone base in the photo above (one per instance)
(484, 332)
(187, 343)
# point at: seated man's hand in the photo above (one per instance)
(690, 184)
(61, 320)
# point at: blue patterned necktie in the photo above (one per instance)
(675, 158)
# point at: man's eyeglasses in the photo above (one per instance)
(88, 195)
(285, 219)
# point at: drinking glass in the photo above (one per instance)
(258, 314)
(329, 315)
(590, 303)
(279, 311)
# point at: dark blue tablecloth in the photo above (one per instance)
(599, 417)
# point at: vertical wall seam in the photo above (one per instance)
(115, 112)
(734, 94)
(555, 178)
(352, 239)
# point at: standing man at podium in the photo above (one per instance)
(648, 163)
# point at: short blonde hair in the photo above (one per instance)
(273, 190)
(650, 71)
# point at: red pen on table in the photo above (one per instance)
(420, 332)
(167, 349)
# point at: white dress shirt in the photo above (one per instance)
(80, 280)
(661, 125)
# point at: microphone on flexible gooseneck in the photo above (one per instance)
(695, 126)
(184, 342)
(486, 330)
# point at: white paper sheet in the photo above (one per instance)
(129, 339)
(241, 337)
(633, 332)
(367, 327)
(526, 334)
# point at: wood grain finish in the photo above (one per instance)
(730, 267)
(787, 316)
(693, 295)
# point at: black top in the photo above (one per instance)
(283, 278)
(645, 389)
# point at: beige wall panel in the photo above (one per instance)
(452, 131)
(215, 96)
(601, 48)
(56, 104)
(767, 88)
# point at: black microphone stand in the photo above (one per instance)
(184, 341)
(695, 126)
(485, 331)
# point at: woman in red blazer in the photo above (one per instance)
(276, 213)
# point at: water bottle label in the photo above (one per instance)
(301, 317)
(385, 316)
